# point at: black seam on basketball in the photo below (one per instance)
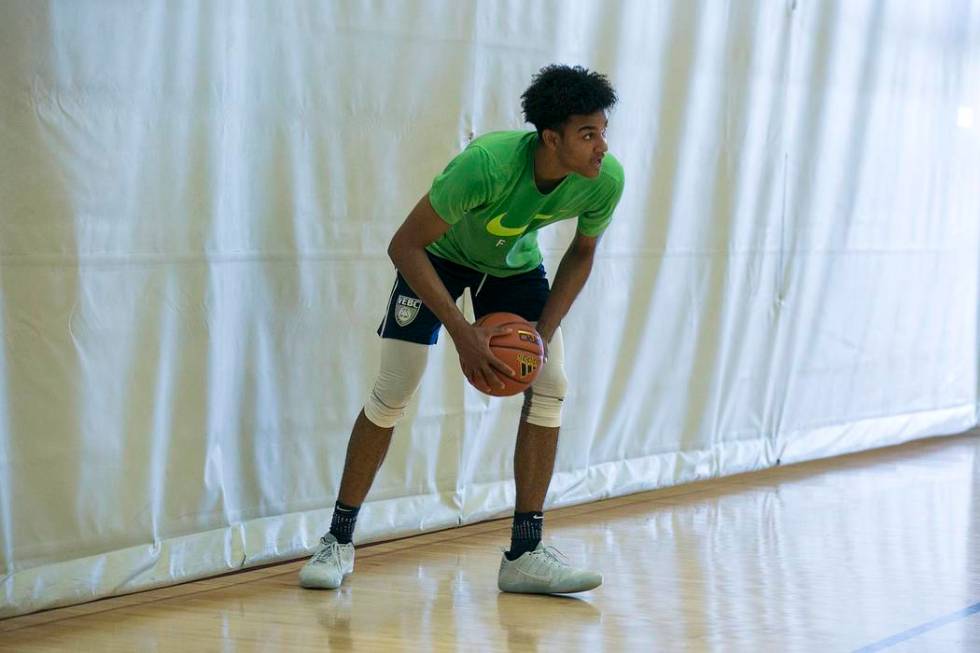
(509, 343)
(535, 352)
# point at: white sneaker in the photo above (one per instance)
(544, 571)
(329, 565)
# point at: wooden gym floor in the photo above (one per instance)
(873, 551)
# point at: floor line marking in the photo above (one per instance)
(918, 630)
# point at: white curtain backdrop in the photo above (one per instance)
(196, 198)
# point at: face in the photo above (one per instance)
(581, 143)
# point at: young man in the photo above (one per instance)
(477, 228)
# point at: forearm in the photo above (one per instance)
(407, 251)
(413, 264)
(573, 272)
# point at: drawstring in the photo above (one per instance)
(480, 287)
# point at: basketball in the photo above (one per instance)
(522, 350)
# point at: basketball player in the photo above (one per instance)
(477, 228)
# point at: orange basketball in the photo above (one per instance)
(522, 350)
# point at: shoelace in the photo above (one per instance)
(331, 549)
(551, 555)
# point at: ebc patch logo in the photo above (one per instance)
(406, 310)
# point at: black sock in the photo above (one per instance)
(344, 518)
(525, 534)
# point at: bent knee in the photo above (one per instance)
(543, 400)
(402, 365)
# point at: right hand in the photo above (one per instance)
(476, 358)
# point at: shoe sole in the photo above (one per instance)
(574, 590)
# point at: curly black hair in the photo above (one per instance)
(560, 91)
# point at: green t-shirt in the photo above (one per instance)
(487, 193)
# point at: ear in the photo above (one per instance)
(550, 138)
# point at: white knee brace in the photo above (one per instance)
(402, 365)
(542, 401)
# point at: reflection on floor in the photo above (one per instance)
(874, 551)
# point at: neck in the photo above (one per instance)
(548, 172)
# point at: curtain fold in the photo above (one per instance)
(196, 199)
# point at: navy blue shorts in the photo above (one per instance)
(409, 319)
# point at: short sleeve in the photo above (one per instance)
(466, 183)
(594, 220)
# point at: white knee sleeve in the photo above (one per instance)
(542, 402)
(402, 365)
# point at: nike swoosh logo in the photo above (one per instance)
(543, 579)
(496, 227)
